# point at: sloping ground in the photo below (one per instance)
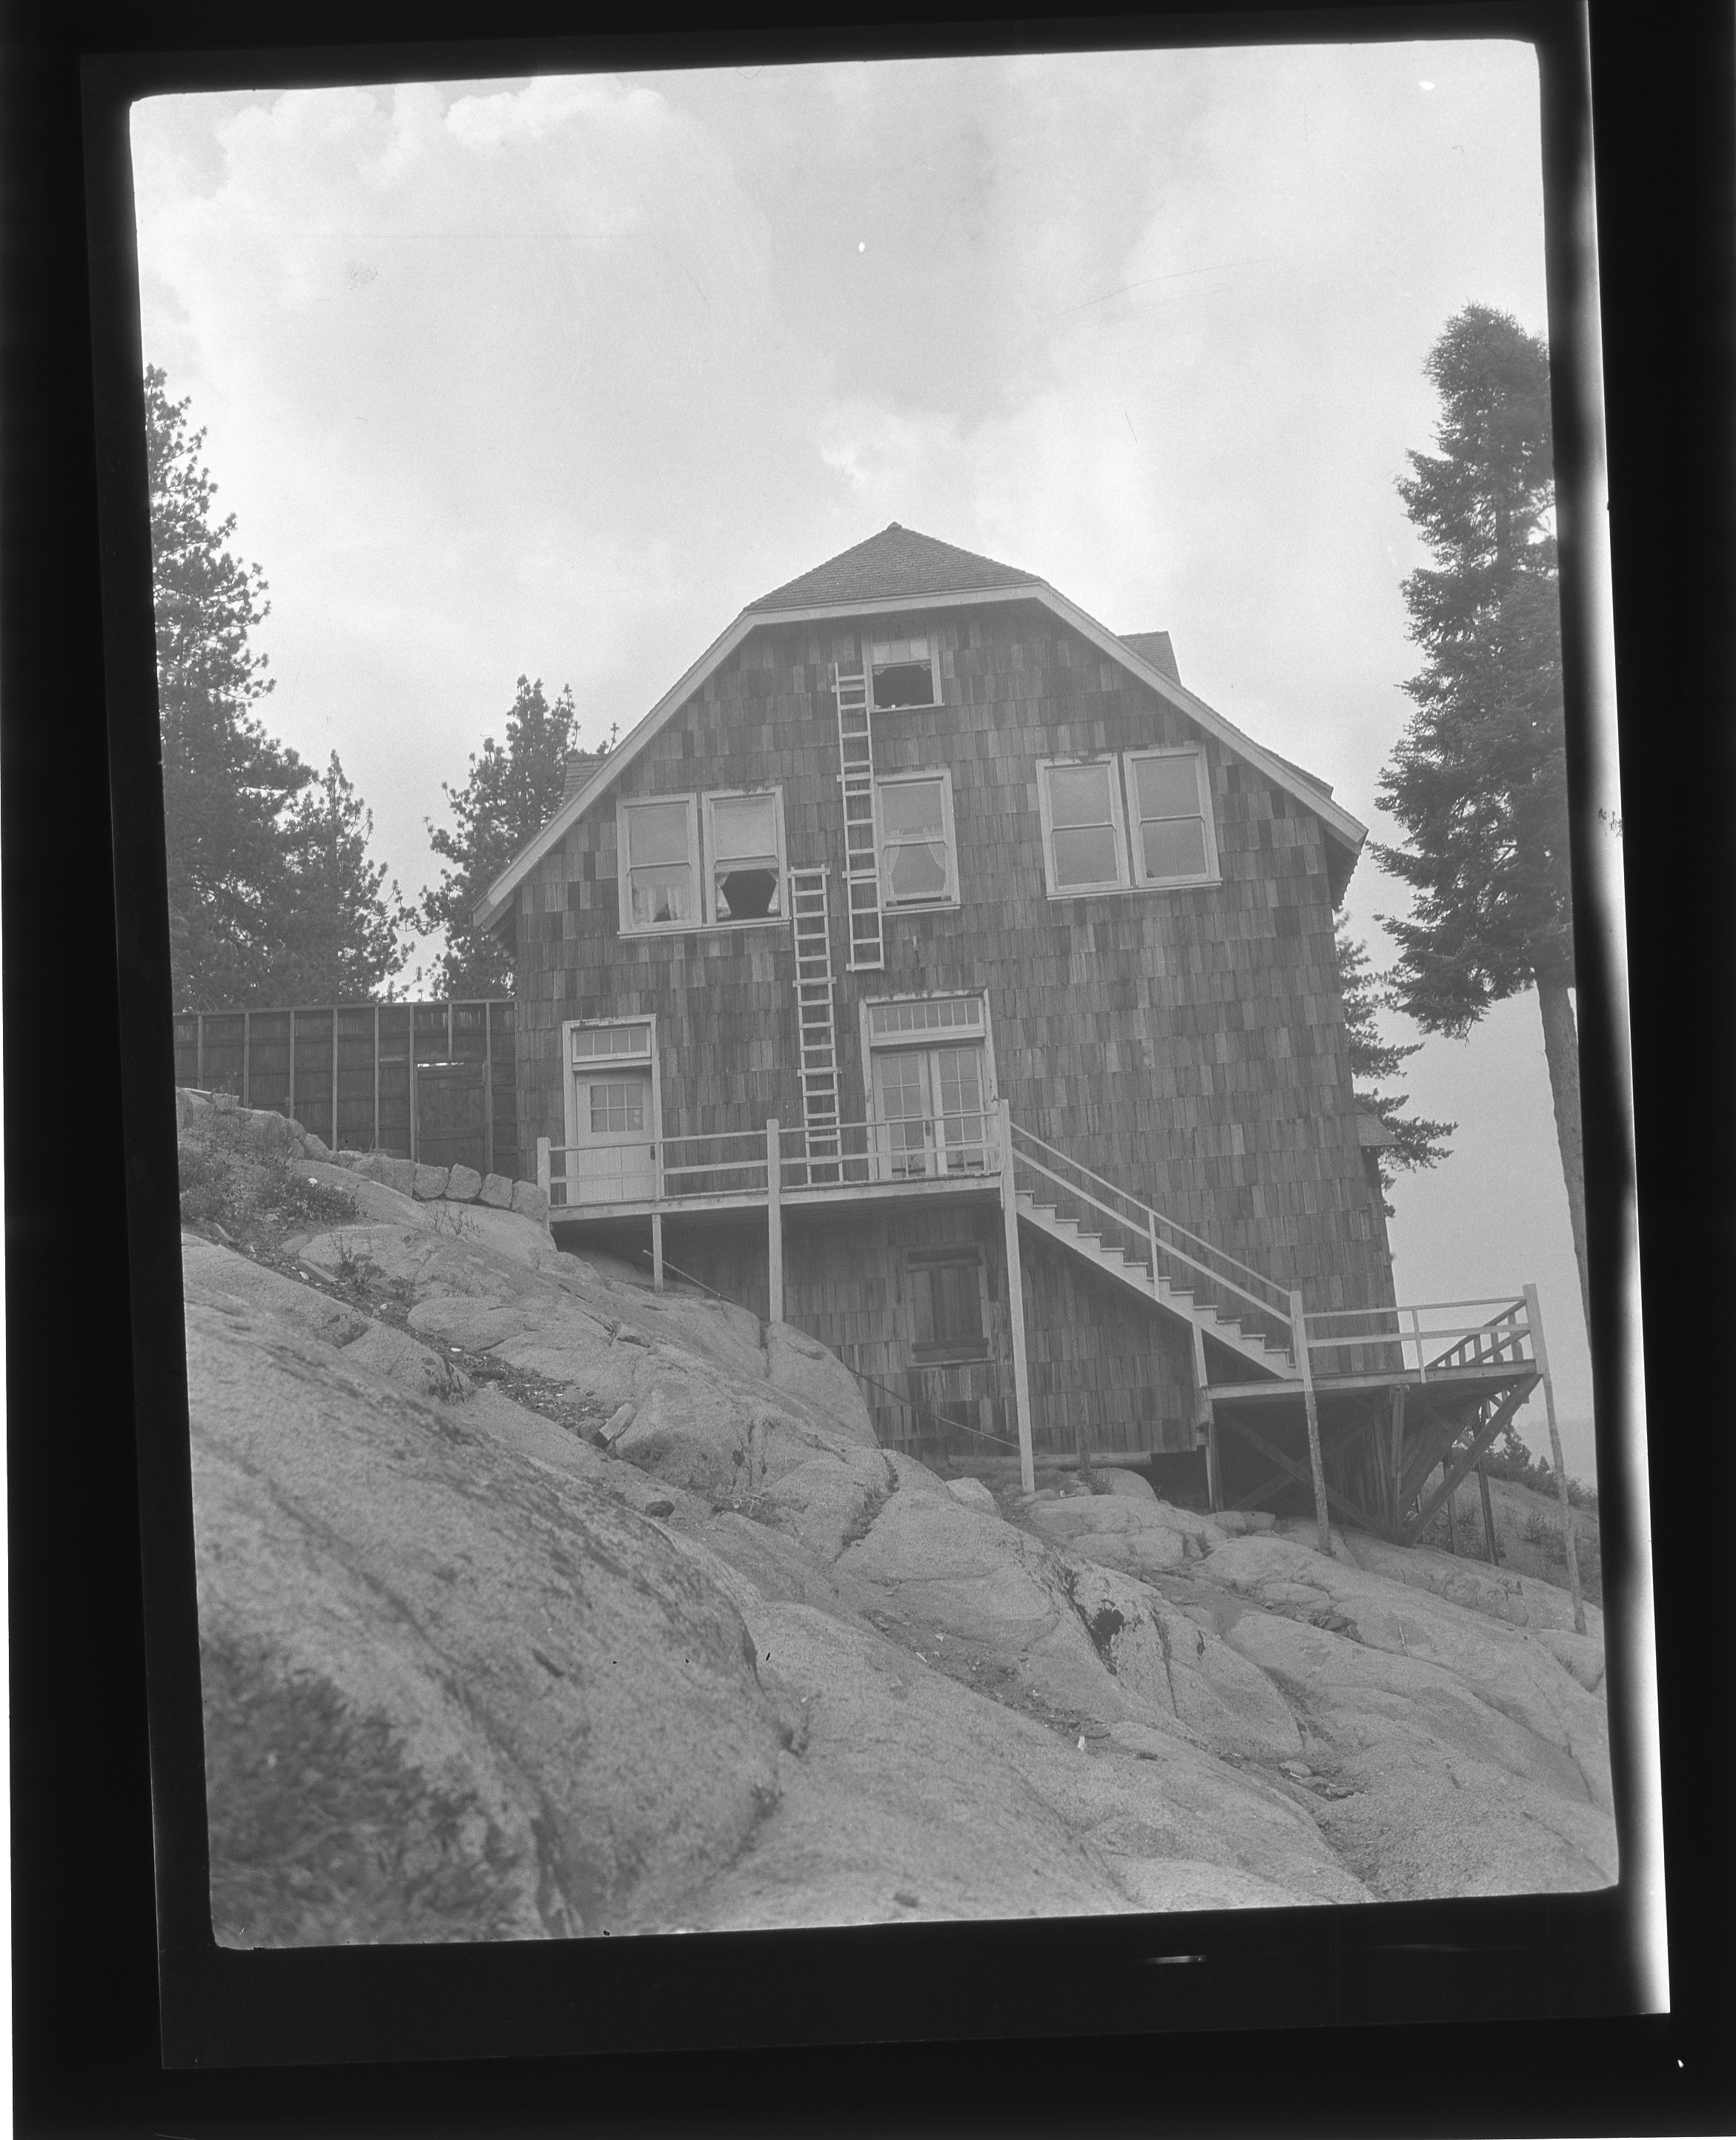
(1527, 1534)
(471, 1673)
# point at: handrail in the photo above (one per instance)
(1145, 1210)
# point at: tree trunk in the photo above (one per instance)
(1561, 1048)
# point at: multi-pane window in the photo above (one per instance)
(672, 877)
(901, 672)
(589, 1042)
(745, 844)
(617, 1107)
(918, 850)
(1141, 819)
(946, 1300)
(930, 1085)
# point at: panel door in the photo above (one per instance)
(930, 1108)
(611, 1162)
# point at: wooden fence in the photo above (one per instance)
(426, 1080)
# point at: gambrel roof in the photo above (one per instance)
(900, 570)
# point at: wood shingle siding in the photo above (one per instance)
(1187, 1043)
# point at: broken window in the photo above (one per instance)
(745, 839)
(901, 672)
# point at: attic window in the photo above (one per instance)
(1139, 822)
(1167, 808)
(661, 843)
(902, 672)
(1083, 826)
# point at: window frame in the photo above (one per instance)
(930, 641)
(1203, 792)
(950, 1255)
(699, 845)
(624, 805)
(1124, 797)
(1118, 820)
(781, 918)
(906, 776)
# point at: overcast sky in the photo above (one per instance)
(553, 376)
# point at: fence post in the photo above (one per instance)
(542, 1167)
(774, 1218)
(1533, 1316)
(1015, 1304)
(1299, 1330)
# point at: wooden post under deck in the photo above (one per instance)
(657, 1218)
(1533, 1316)
(1203, 1413)
(1396, 1471)
(774, 1220)
(1299, 1328)
(1452, 1512)
(1488, 1518)
(1016, 1305)
(542, 1162)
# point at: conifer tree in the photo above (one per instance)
(271, 896)
(1416, 1141)
(512, 792)
(1478, 780)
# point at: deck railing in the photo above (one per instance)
(1508, 1338)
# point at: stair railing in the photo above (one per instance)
(1165, 1249)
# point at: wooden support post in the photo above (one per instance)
(1533, 1316)
(543, 1174)
(1202, 1415)
(1397, 1457)
(1452, 1511)
(336, 1014)
(1016, 1306)
(198, 1065)
(488, 1088)
(375, 1146)
(1299, 1330)
(247, 1059)
(656, 1215)
(1488, 1517)
(292, 1065)
(774, 1218)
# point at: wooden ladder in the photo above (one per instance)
(862, 857)
(811, 918)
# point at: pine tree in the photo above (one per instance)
(1416, 1141)
(1479, 779)
(512, 793)
(272, 898)
(346, 932)
(225, 782)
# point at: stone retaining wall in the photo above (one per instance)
(271, 1132)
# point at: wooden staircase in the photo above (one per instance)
(1153, 1257)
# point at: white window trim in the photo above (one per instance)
(624, 807)
(708, 908)
(870, 1044)
(1135, 846)
(904, 778)
(1120, 882)
(569, 1069)
(699, 858)
(868, 646)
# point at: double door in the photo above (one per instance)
(931, 1111)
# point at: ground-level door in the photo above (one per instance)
(612, 1115)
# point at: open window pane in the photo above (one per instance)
(1168, 786)
(913, 809)
(1087, 855)
(657, 833)
(900, 672)
(744, 827)
(1174, 847)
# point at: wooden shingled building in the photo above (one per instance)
(932, 967)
